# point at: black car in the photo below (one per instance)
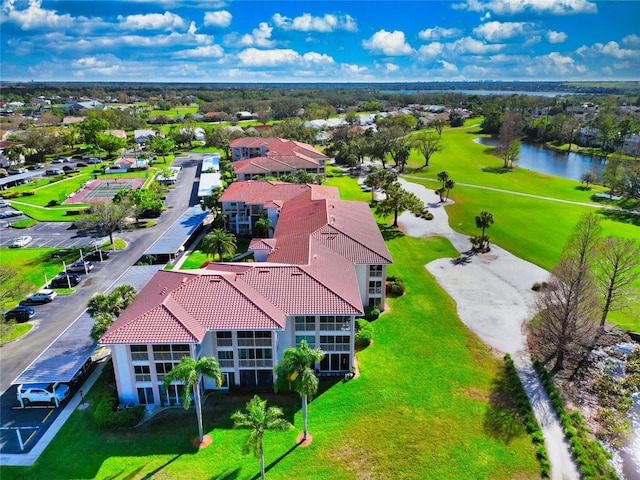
(95, 255)
(63, 280)
(20, 314)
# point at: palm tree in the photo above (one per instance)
(296, 369)
(262, 227)
(190, 372)
(448, 185)
(219, 242)
(484, 221)
(259, 419)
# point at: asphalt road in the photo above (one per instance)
(52, 319)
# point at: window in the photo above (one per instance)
(145, 396)
(306, 323)
(223, 339)
(171, 352)
(251, 338)
(335, 323)
(225, 358)
(311, 340)
(162, 369)
(375, 287)
(142, 373)
(172, 395)
(336, 343)
(139, 353)
(255, 357)
(375, 270)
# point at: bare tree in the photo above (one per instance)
(617, 267)
(566, 310)
(510, 134)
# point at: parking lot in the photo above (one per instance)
(49, 235)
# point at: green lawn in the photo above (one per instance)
(424, 407)
(33, 264)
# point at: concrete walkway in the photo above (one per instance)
(494, 297)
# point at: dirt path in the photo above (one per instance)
(493, 295)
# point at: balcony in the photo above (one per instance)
(256, 363)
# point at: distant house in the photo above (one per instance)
(244, 115)
(116, 133)
(5, 161)
(70, 120)
(256, 157)
(631, 145)
(326, 261)
(257, 129)
(143, 136)
(87, 105)
(126, 164)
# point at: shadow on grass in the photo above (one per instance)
(389, 232)
(276, 461)
(502, 420)
(232, 475)
(621, 216)
(152, 473)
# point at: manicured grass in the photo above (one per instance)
(174, 112)
(18, 330)
(24, 223)
(422, 408)
(33, 264)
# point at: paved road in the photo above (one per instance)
(52, 319)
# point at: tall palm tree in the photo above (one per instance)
(262, 227)
(190, 372)
(259, 419)
(484, 221)
(219, 242)
(296, 369)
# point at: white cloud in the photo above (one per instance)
(500, 31)
(221, 18)
(210, 51)
(610, 49)
(353, 69)
(631, 41)
(468, 45)
(510, 7)
(308, 23)
(152, 21)
(389, 67)
(101, 65)
(447, 67)
(430, 51)
(34, 16)
(252, 57)
(556, 37)
(388, 43)
(437, 33)
(554, 65)
(259, 37)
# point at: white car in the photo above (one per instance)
(4, 204)
(45, 295)
(22, 241)
(42, 392)
(80, 267)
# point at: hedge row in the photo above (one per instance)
(364, 333)
(528, 417)
(591, 456)
(108, 417)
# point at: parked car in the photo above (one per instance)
(57, 160)
(81, 164)
(68, 169)
(54, 171)
(16, 171)
(20, 314)
(63, 280)
(35, 166)
(97, 255)
(45, 295)
(80, 267)
(4, 204)
(42, 392)
(93, 160)
(21, 241)
(11, 213)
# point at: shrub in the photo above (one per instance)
(539, 286)
(371, 313)
(53, 203)
(76, 212)
(28, 193)
(395, 286)
(108, 417)
(10, 194)
(364, 333)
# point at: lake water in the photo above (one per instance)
(486, 92)
(543, 160)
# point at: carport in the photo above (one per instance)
(68, 353)
(172, 243)
(13, 180)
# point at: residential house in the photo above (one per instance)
(7, 162)
(244, 203)
(116, 133)
(256, 157)
(631, 145)
(246, 315)
(143, 136)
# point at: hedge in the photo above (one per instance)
(108, 417)
(364, 333)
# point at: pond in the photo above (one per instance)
(543, 160)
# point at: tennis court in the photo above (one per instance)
(103, 190)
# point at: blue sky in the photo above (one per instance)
(319, 41)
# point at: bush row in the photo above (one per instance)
(364, 333)
(108, 417)
(591, 456)
(395, 286)
(528, 417)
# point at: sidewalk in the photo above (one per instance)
(28, 459)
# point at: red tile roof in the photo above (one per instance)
(177, 306)
(280, 147)
(254, 192)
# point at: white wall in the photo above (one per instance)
(124, 374)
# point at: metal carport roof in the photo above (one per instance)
(178, 233)
(68, 353)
